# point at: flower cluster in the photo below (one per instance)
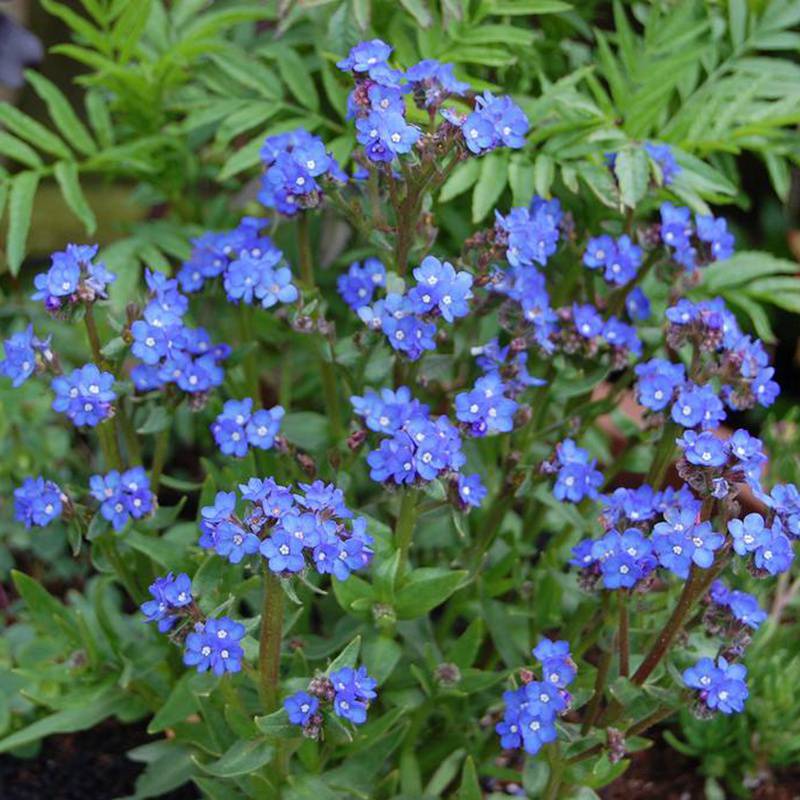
(495, 122)
(485, 409)
(409, 320)
(767, 547)
(377, 102)
(215, 645)
(294, 165)
(576, 473)
(73, 278)
(21, 360)
(291, 530)
(662, 155)
(529, 717)
(170, 351)
(584, 331)
(170, 594)
(721, 686)
(417, 448)
(357, 286)
(739, 362)
(347, 691)
(85, 395)
(123, 496)
(743, 607)
(530, 235)
(694, 245)
(238, 427)
(38, 502)
(619, 259)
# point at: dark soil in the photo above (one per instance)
(90, 765)
(661, 773)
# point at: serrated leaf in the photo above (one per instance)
(66, 173)
(18, 150)
(62, 114)
(633, 174)
(297, 78)
(20, 208)
(419, 10)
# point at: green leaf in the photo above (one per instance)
(633, 174)
(277, 725)
(17, 150)
(158, 419)
(297, 78)
(20, 208)
(61, 112)
(743, 267)
(245, 158)
(492, 181)
(66, 173)
(464, 652)
(99, 117)
(87, 712)
(362, 12)
(470, 788)
(180, 704)
(520, 7)
(737, 21)
(32, 131)
(463, 177)
(426, 588)
(306, 429)
(241, 759)
(419, 10)
(521, 180)
(348, 656)
(380, 657)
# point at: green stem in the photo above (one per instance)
(108, 546)
(623, 635)
(555, 777)
(489, 529)
(304, 251)
(404, 531)
(662, 456)
(599, 690)
(269, 652)
(128, 432)
(251, 358)
(159, 459)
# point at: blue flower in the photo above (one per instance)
(743, 606)
(366, 56)
(637, 305)
(215, 646)
(85, 395)
(558, 668)
(577, 477)
(441, 287)
(485, 408)
(389, 411)
(698, 405)
(619, 258)
(714, 231)
(72, 277)
(471, 490)
(721, 686)
(531, 234)
(169, 593)
(658, 380)
(662, 155)
(624, 559)
(703, 449)
(357, 286)
(353, 691)
(432, 82)
(775, 555)
(587, 320)
(38, 502)
(20, 361)
(495, 122)
(749, 533)
(764, 388)
(283, 552)
(300, 707)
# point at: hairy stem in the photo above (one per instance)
(269, 651)
(623, 635)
